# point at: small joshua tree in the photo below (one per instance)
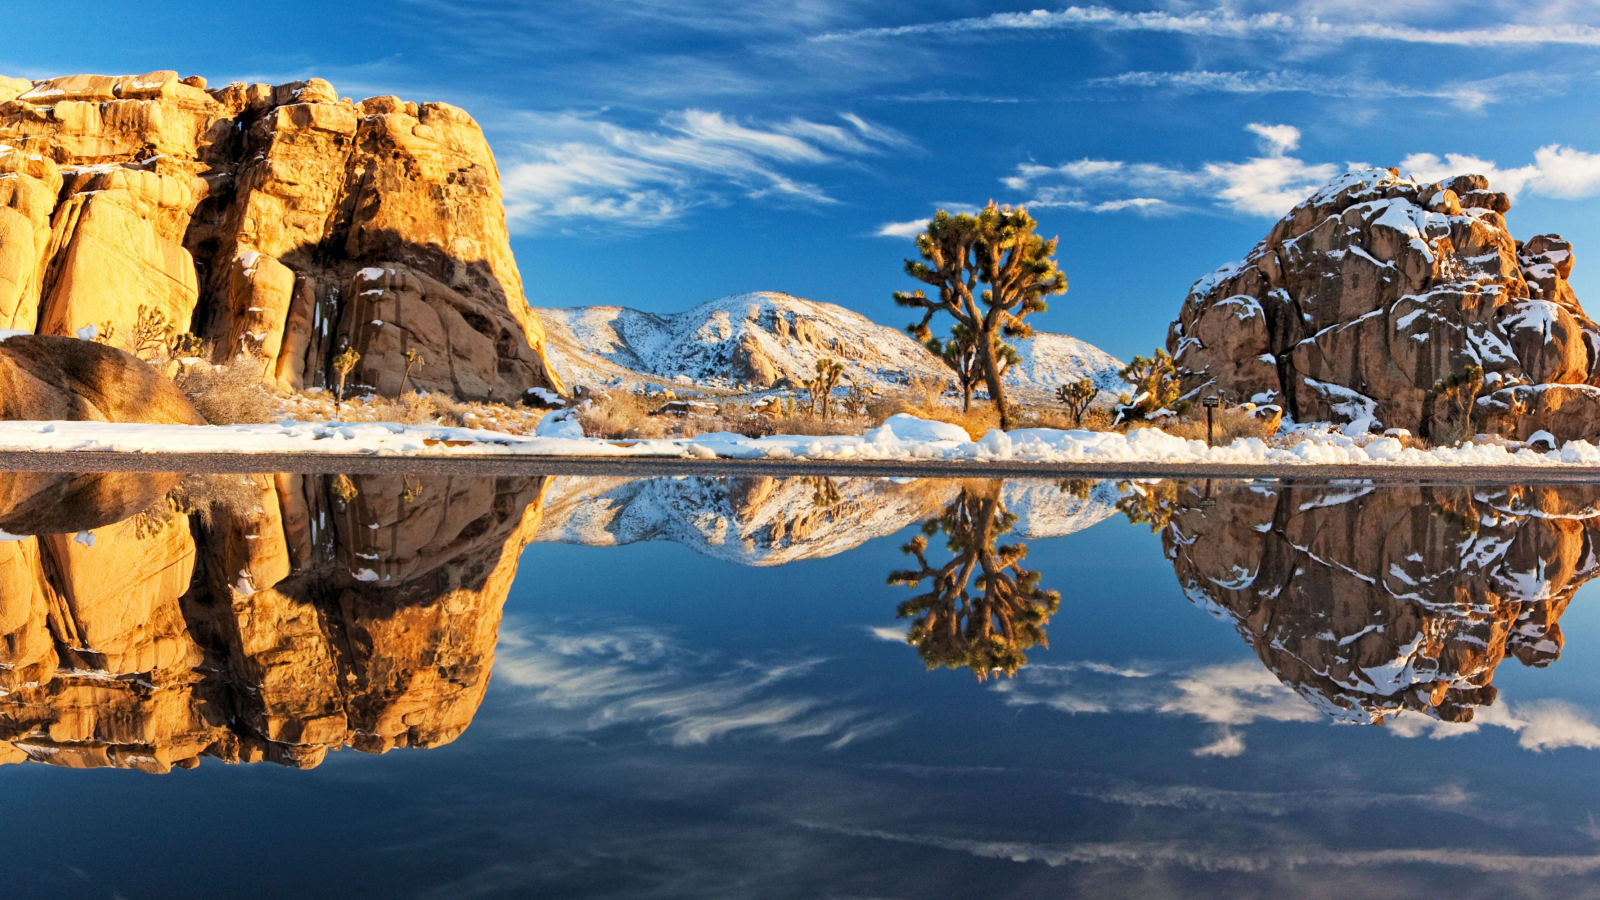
(182, 344)
(998, 249)
(344, 364)
(989, 632)
(829, 371)
(1454, 395)
(413, 358)
(1156, 387)
(960, 353)
(1077, 396)
(152, 332)
(103, 333)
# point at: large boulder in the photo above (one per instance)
(247, 214)
(1377, 291)
(46, 377)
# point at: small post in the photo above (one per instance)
(1211, 404)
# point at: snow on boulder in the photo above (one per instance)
(1379, 287)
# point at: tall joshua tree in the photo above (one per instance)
(998, 250)
(987, 632)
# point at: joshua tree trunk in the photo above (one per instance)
(991, 376)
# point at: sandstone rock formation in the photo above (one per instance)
(279, 221)
(1371, 602)
(44, 377)
(306, 614)
(1378, 288)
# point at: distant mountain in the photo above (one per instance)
(762, 339)
(765, 521)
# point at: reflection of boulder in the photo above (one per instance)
(309, 613)
(1369, 601)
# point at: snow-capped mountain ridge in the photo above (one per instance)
(764, 339)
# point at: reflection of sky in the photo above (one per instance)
(663, 724)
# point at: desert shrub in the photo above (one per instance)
(230, 394)
(1231, 423)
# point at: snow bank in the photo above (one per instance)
(901, 437)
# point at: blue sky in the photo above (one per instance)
(658, 153)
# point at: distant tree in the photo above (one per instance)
(821, 386)
(989, 631)
(344, 364)
(960, 353)
(413, 358)
(1453, 396)
(1077, 396)
(1156, 387)
(996, 249)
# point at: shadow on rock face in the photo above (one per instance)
(1369, 601)
(291, 616)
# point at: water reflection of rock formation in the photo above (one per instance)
(305, 613)
(988, 631)
(1369, 601)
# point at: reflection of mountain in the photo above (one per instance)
(764, 521)
(305, 613)
(1370, 602)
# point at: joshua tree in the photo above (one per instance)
(344, 364)
(413, 358)
(987, 632)
(961, 355)
(997, 249)
(829, 371)
(1077, 396)
(1155, 383)
(1454, 395)
(152, 332)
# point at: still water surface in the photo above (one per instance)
(319, 686)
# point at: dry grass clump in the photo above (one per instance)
(413, 408)
(1231, 423)
(230, 394)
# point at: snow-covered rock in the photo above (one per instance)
(763, 339)
(1379, 287)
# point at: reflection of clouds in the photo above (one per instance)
(597, 679)
(1232, 695)
(1212, 857)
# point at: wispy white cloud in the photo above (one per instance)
(1563, 173)
(1229, 697)
(1465, 95)
(577, 167)
(584, 682)
(1269, 184)
(1226, 23)
(1208, 856)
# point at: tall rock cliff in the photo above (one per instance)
(279, 221)
(1376, 301)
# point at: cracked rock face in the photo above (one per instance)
(1377, 288)
(279, 221)
(1370, 602)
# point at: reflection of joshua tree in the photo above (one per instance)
(1149, 503)
(988, 632)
